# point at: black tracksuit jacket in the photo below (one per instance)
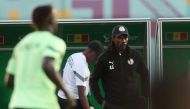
(118, 74)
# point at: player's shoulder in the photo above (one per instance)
(54, 40)
(133, 50)
(24, 40)
(134, 53)
(58, 40)
(77, 56)
(53, 37)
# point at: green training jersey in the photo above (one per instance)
(32, 87)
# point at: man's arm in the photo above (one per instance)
(54, 76)
(10, 71)
(142, 69)
(94, 79)
(9, 80)
(82, 97)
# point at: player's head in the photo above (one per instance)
(120, 37)
(93, 51)
(43, 18)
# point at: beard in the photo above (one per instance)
(122, 47)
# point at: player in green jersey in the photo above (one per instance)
(33, 69)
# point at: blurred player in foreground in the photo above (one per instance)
(76, 75)
(32, 70)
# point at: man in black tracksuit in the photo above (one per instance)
(118, 68)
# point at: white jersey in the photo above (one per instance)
(76, 73)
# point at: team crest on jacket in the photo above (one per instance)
(130, 61)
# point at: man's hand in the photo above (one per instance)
(91, 107)
(71, 104)
(103, 103)
(82, 97)
(9, 80)
(71, 101)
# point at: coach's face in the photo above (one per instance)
(120, 42)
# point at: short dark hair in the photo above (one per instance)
(41, 14)
(96, 46)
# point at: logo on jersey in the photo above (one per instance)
(70, 61)
(111, 65)
(130, 61)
